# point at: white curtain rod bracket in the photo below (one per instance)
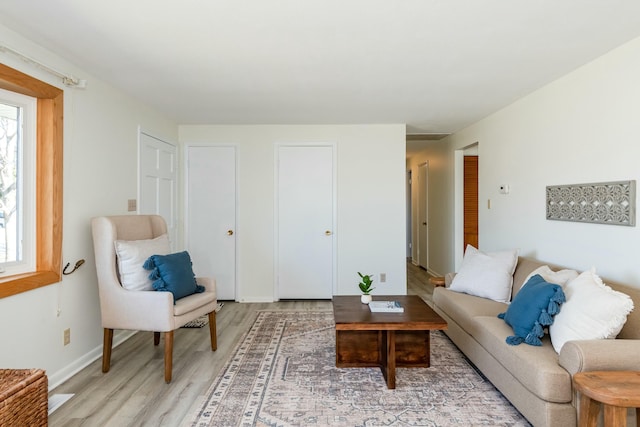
(67, 79)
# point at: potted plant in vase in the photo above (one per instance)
(366, 287)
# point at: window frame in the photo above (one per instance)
(49, 145)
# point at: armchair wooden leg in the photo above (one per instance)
(156, 338)
(106, 349)
(213, 331)
(168, 355)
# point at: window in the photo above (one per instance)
(17, 168)
(46, 190)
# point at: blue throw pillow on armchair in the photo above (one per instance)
(173, 273)
(532, 309)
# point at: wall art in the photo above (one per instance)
(602, 203)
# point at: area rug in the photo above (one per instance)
(282, 373)
(202, 320)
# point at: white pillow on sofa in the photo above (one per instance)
(487, 275)
(592, 311)
(131, 256)
(560, 277)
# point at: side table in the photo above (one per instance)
(616, 390)
(436, 281)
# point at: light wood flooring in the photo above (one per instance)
(134, 393)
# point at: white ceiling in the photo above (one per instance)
(436, 65)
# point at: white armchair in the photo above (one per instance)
(143, 310)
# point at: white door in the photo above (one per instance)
(211, 215)
(158, 181)
(423, 218)
(305, 222)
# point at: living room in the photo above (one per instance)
(579, 127)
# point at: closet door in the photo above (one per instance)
(158, 181)
(305, 222)
(211, 215)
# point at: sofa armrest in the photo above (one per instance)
(600, 355)
(448, 278)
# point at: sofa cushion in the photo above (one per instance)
(463, 308)
(487, 275)
(560, 277)
(536, 368)
(532, 309)
(524, 268)
(593, 311)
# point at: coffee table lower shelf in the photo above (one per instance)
(386, 349)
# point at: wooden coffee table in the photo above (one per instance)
(385, 340)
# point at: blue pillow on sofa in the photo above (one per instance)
(532, 309)
(173, 273)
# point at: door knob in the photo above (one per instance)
(230, 232)
(424, 223)
(327, 233)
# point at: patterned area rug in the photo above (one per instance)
(283, 374)
(202, 321)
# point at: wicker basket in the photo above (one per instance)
(23, 397)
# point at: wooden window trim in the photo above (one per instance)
(49, 143)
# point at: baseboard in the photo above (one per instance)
(79, 364)
(256, 300)
(434, 273)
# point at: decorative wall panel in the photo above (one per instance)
(602, 203)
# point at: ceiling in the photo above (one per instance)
(435, 65)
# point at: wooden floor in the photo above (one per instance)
(134, 393)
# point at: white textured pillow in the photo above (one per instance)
(592, 311)
(132, 254)
(560, 277)
(486, 275)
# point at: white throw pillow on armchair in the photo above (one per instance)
(131, 256)
(487, 275)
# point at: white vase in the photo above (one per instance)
(365, 299)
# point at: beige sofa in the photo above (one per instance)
(536, 380)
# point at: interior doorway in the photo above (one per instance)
(470, 201)
(423, 215)
(459, 201)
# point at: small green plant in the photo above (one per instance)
(366, 283)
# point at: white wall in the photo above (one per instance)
(100, 174)
(370, 210)
(582, 128)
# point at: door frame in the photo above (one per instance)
(334, 221)
(458, 202)
(185, 158)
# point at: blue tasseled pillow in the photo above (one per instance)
(532, 309)
(173, 273)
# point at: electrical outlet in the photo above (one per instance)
(67, 336)
(383, 277)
